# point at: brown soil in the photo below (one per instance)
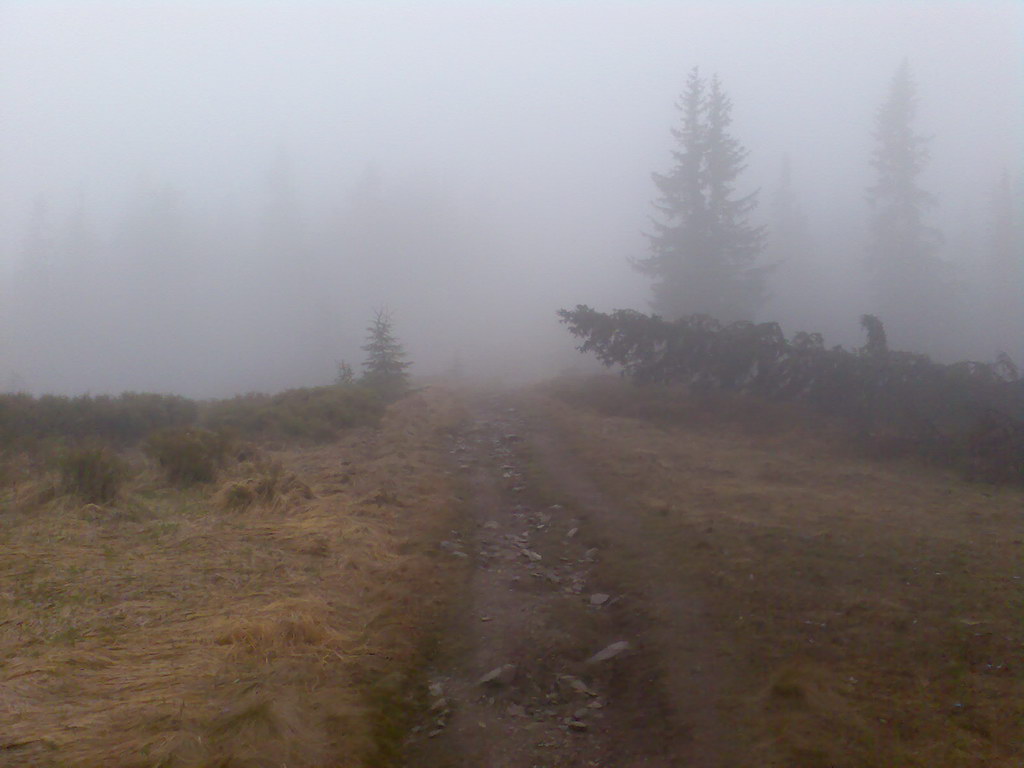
(549, 591)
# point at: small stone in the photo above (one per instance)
(436, 690)
(610, 652)
(499, 676)
(580, 687)
(534, 556)
(576, 725)
(590, 554)
(439, 705)
(572, 532)
(598, 598)
(490, 524)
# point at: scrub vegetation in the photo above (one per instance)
(278, 615)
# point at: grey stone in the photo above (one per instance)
(610, 652)
(499, 676)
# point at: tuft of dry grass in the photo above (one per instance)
(181, 633)
(263, 482)
(869, 611)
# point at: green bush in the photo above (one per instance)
(123, 419)
(316, 413)
(968, 414)
(188, 455)
(93, 474)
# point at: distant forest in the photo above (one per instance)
(167, 288)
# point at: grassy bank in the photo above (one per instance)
(267, 618)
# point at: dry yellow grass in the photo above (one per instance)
(179, 630)
(869, 613)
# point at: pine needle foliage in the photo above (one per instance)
(704, 249)
(385, 367)
(969, 414)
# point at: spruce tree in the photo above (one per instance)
(385, 367)
(704, 248)
(1005, 270)
(797, 275)
(910, 294)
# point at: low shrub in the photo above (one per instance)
(93, 474)
(316, 413)
(123, 419)
(188, 455)
(966, 414)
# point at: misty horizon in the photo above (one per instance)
(214, 198)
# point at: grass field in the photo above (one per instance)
(271, 618)
(863, 610)
(869, 611)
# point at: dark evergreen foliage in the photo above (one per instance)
(703, 249)
(384, 369)
(968, 412)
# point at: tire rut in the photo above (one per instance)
(551, 664)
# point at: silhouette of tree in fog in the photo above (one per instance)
(39, 248)
(910, 293)
(385, 365)
(797, 276)
(787, 234)
(1006, 269)
(703, 251)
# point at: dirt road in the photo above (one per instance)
(561, 657)
(691, 588)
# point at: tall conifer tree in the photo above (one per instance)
(385, 365)
(1006, 270)
(703, 250)
(911, 296)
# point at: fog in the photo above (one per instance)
(211, 198)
